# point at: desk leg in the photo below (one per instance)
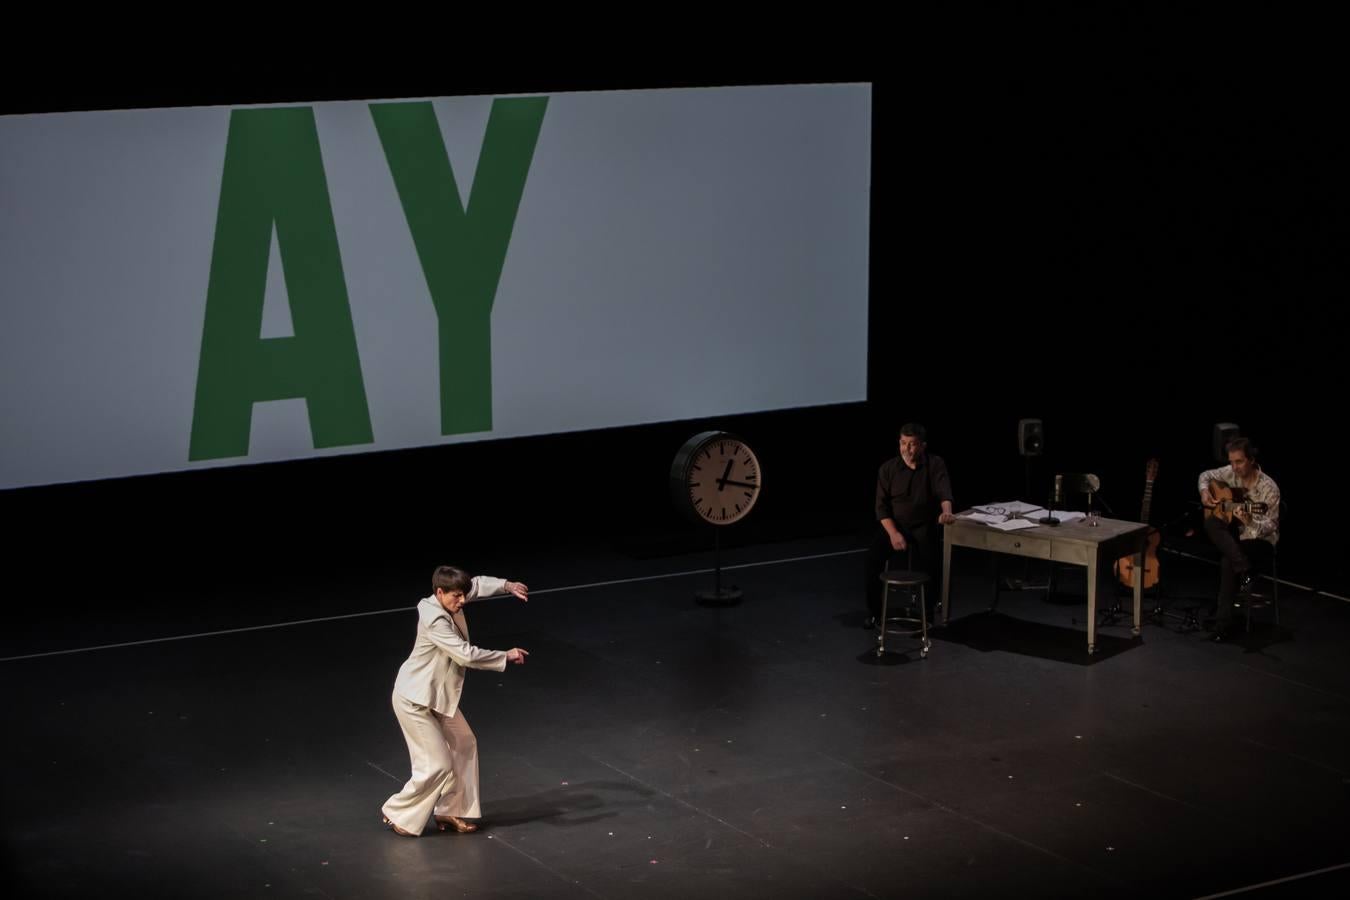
(995, 566)
(1092, 604)
(946, 575)
(1138, 591)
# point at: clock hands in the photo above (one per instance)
(727, 480)
(726, 473)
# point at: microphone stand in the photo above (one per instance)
(1056, 494)
(1025, 583)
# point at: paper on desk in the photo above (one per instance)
(1011, 508)
(1013, 524)
(1068, 516)
(987, 518)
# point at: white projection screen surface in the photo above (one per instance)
(196, 287)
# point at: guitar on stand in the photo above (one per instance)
(1125, 569)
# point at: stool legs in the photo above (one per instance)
(923, 622)
(924, 643)
(881, 624)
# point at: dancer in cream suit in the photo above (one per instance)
(444, 752)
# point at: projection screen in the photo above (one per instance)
(207, 286)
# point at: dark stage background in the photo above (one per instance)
(1129, 250)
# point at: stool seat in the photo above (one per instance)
(904, 579)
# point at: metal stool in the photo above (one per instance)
(914, 582)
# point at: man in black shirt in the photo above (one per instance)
(914, 497)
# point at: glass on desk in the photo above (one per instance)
(1093, 518)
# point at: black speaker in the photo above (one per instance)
(1030, 437)
(1223, 433)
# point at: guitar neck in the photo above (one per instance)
(1150, 473)
(1148, 503)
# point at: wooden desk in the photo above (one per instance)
(1076, 543)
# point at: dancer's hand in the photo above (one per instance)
(520, 590)
(517, 655)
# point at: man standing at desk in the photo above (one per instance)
(914, 497)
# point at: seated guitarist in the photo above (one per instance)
(1248, 539)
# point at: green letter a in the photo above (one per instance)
(274, 174)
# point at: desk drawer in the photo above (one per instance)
(1074, 554)
(999, 542)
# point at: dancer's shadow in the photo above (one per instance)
(565, 805)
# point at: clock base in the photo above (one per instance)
(720, 597)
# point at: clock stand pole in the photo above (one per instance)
(718, 596)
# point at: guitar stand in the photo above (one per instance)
(1159, 614)
(1118, 610)
(1189, 617)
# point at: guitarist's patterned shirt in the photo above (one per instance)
(1266, 526)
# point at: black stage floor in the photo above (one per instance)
(653, 747)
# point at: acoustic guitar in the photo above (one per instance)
(1125, 569)
(1227, 499)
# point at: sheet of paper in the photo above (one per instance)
(1013, 525)
(1010, 508)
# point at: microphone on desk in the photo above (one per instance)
(1056, 497)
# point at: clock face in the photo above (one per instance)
(723, 480)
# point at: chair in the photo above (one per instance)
(1082, 483)
(1259, 599)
